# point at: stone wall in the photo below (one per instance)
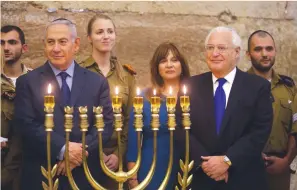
(141, 26)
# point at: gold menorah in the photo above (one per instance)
(120, 176)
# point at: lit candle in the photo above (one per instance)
(138, 100)
(170, 100)
(155, 100)
(184, 100)
(116, 99)
(49, 99)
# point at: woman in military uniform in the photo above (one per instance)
(102, 35)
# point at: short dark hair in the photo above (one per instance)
(161, 53)
(9, 28)
(261, 33)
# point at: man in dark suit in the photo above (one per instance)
(231, 116)
(73, 86)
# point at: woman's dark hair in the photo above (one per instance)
(161, 53)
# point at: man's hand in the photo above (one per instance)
(3, 144)
(224, 177)
(112, 162)
(61, 170)
(214, 166)
(132, 183)
(75, 153)
(277, 166)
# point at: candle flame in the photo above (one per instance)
(138, 91)
(185, 90)
(116, 90)
(154, 92)
(49, 89)
(170, 90)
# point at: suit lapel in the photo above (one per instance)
(78, 83)
(233, 99)
(205, 107)
(209, 102)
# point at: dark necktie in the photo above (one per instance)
(65, 89)
(220, 103)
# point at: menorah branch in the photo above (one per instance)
(50, 173)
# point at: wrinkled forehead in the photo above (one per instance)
(220, 37)
(58, 31)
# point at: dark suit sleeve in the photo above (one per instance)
(250, 146)
(29, 125)
(105, 102)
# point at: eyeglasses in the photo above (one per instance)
(221, 48)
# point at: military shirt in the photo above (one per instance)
(10, 155)
(283, 91)
(126, 91)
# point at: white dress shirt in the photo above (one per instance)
(227, 86)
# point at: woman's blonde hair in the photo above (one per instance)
(118, 67)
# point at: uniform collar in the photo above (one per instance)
(24, 68)
(89, 62)
(275, 78)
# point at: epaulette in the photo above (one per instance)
(287, 80)
(129, 68)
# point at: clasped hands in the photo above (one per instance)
(215, 167)
(75, 158)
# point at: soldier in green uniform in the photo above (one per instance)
(13, 46)
(280, 148)
(101, 35)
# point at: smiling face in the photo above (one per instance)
(60, 47)
(262, 52)
(170, 67)
(221, 55)
(102, 35)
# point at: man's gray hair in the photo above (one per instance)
(66, 22)
(236, 40)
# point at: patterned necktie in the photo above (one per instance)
(220, 103)
(65, 89)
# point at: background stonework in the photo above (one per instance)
(141, 26)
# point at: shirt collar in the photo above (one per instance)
(24, 68)
(91, 62)
(69, 70)
(229, 78)
(275, 78)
